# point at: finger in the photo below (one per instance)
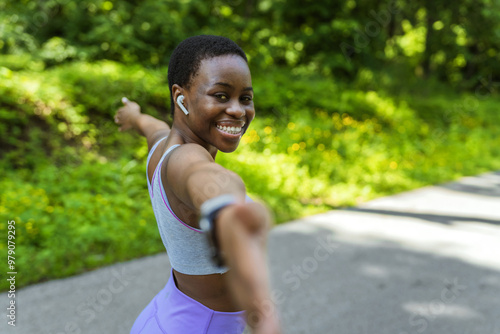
(125, 100)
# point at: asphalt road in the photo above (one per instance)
(425, 261)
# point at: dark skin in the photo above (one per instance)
(220, 104)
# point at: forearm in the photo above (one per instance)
(248, 276)
(241, 231)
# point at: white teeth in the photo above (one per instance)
(230, 129)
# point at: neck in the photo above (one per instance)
(182, 134)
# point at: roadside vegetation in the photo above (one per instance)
(335, 127)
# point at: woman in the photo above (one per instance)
(212, 106)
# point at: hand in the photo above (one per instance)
(127, 115)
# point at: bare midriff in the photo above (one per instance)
(209, 290)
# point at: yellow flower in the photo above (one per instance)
(347, 120)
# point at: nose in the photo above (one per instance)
(236, 109)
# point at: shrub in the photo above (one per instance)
(76, 187)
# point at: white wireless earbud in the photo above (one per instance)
(180, 100)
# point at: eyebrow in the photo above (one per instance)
(225, 84)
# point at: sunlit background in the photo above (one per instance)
(355, 100)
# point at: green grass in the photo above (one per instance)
(77, 189)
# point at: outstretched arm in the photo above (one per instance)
(241, 230)
(130, 117)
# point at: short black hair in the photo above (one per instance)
(186, 59)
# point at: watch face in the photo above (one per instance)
(211, 207)
(205, 224)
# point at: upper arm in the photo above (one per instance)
(152, 128)
(194, 177)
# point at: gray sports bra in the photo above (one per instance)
(187, 247)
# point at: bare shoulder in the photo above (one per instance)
(186, 160)
(192, 158)
(156, 137)
(189, 158)
(187, 154)
(191, 170)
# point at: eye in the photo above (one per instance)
(246, 98)
(222, 97)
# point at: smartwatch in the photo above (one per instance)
(208, 212)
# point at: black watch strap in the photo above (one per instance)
(209, 210)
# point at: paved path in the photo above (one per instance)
(425, 261)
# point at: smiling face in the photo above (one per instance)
(220, 103)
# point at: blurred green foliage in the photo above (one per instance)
(355, 99)
(457, 41)
(73, 219)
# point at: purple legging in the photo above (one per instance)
(172, 312)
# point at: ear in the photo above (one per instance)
(177, 90)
